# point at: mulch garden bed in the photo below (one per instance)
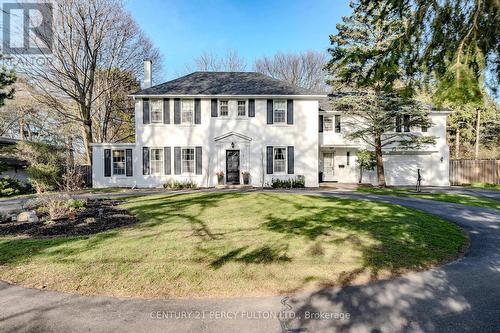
(97, 216)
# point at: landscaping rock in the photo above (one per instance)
(27, 216)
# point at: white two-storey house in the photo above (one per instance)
(234, 123)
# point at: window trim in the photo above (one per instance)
(182, 112)
(162, 164)
(194, 161)
(284, 122)
(237, 108)
(151, 107)
(113, 163)
(285, 160)
(219, 108)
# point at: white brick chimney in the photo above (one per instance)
(147, 74)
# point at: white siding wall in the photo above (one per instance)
(303, 135)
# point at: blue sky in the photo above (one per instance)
(183, 29)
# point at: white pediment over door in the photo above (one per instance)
(232, 137)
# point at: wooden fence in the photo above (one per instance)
(463, 172)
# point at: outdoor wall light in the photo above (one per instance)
(232, 145)
(441, 159)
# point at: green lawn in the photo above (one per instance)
(463, 199)
(235, 244)
(486, 186)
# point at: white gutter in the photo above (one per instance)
(230, 96)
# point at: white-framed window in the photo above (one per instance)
(156, 111)
(327, 123)
(279, 163)
(187, 111)
(279, 111)
(156, 160)
(224, 108)
(187, 160)
(119, 162)
(242, 108)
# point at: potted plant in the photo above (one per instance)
(246, 177)
(220, 177)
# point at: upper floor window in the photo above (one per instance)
(224, 108)
(156, 111)
(242, 108)
(119, 162)
(279, 111)
(328, 123)
(338, 127)
(187, 111)
(156, 160)
(279, 160)
(187, 159)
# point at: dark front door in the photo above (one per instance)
(232, 166)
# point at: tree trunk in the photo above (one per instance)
(478, 126)
(380, 161)
(457, 143)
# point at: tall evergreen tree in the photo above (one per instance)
(7, 79)
(363, 59)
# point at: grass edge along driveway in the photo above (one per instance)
(463, 199)
(235, 244)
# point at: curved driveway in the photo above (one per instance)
(461, 296)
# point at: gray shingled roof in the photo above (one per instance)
(325, 103)
(225, 83)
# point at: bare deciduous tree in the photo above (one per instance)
(231, 61)
(92, 39)
(304, 69)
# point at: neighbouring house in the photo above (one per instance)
(204, 123)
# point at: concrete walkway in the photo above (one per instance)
(462, 296)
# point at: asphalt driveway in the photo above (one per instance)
(462, 296)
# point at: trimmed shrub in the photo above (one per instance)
(181, 185)
(298, 182)
(11, 186)
(57, 206)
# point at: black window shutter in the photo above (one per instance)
(251, 107)
(177, 111)
(177, 160)
(107, 162)
(269, 157)
(320, 123)
(166, 111)
(269, 111)
(199, 161)
(197, 111)
(213, 105)
(145, 111)
(128, 163)
(398, 123)
(291, 159)
(338, 125)
(406, 122)
(289, 112)
(145, 160)
(167, 160)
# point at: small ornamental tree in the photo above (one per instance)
(365, 161)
